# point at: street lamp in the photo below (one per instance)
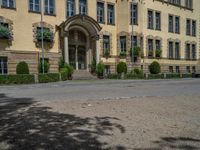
(42, 34)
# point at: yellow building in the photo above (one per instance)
(103, 30)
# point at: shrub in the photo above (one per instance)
(154, 68)
(158, 53)
(70, 70)
(137, 71)
(100, 69)
(46, 67)
(61, 63)
(22, 68)
(172, 76)
(187, 75)
(49, 77)
(113, 76)
(122, 54)
(121, 68)
(156, 76)
(93, 66)
(17, 79)
(136, 52)
(64, 74)
(134, 76)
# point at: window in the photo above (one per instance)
(8, 3)
(133, 41)
(177, 2)
(188, 69)
(107, 69)
(177, 24)
(158, 21)
(150, 47)
(177, 69)
(70, 8)
(189, 4)
(188, 27)
(100, 12)
(193, 51)
(82, 7)
(171, 49)
(123, 43)
(193, 69)
(150, 19)
(134, 14)
(187, 51)
(171, 70)
(177, 50)
(193, 28)
(34, 5)
(106, 44)
(158, 45)
(111, 14)
(171, 24)
(49, 7)
(3, 65)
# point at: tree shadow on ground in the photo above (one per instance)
(180, 143)
(25, 125)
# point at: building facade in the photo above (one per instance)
(82, 31)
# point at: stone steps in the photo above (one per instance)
(83, 75)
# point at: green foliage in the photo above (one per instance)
(172, 76)
(150, 53)
(64, 74)
(134, 76)
(187, 75)
(49, 77)
(70, 69)
(22, 68)
(17, 79)
(46, 67)
(122, 54)
(100, 69)
(47, 35)
(61, 63)
(156, 76)
(121, 68)
(5, 33)
(136, 52)
(158, 53)
(106, 53)
(113, 76)
(137, 71)
(154, 68)
(93, 66)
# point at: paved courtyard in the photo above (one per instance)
(105, 114)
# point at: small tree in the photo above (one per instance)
(121, 68)
(46, 67)
(100, 69)
(70, 70)
(61, 63)
(154, 68)
(22, 68)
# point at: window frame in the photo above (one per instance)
(108, 14)
(71, 12)
(99, 11)
(3, 65)
(54, 8)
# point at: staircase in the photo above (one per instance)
(83, 75)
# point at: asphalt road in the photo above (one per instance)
(104, 89)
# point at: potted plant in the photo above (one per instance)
(100, 70)
(47, 35)
(150, 53)
(158, 53)
(136, 52)
(106, 53)
(122, 54)
(5, 33)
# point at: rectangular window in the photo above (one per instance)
(171, 23)
(188, 69)
(49, 7)
(177, 50)
(3, 65)
(177, 24)
(171, 50)
(177, 69)
(106, 44)
(8, 3)
(111, 14)
(193, 69)
(150, 19)
(187, 51)
(134, 14)
(133, 41)
(34, 5)
(123, 43)
(150, 47)
(193, 51)
(177, 2)
(158, 45)
(171, 70)
(100, 12)
(193, 28)
(188, 27)
(70, 8)
(189, 4)
(158, 21)
(82, 7)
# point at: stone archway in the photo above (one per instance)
(81, 41)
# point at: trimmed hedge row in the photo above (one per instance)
(173, 76)
(134, 76)
(156, 76)
(48, 77)
(17, 79)
(113, 76)
(187, 75)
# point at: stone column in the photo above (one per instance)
(66, 49)
(76, 57)
(97, 50)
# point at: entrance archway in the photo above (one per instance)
(81, 41)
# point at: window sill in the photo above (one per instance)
(35, 12)
(11, 8)
(111, 24)
(47, 14)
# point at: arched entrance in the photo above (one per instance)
(81, 43)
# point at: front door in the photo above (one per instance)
(81, 58)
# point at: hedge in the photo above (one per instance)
(17, 79)
(173, 76)
(113, 76)
(188, 75)
(156, 76)
(134, 76)
(48, 77)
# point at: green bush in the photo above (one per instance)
(136, 52)
(134, 76)
(158, 53)
(121, 68)
(47, 35)
(137, 71)
(172, 76)
(48, 77)
(61, 63)
(64, 74)
(122, 54)
(156, 76)
(46, 67)
(22, 68)
(17, 79)
(187, 75)
(70, 70)
(113, 76)
(93, 66)
(154, 68)
(100, 69)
